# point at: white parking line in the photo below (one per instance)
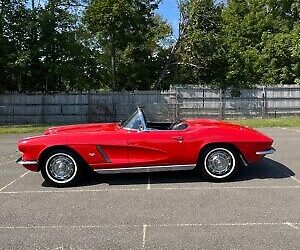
(294, 225)
(8, 162)
(295, 179)
(70, 227)
(14, 181)
(144, 235)
(288, 175)
(290, 224)
(290, 129)
(142, 189)
(5, 163)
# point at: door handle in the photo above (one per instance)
(178, 138)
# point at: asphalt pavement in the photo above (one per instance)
(259, 209)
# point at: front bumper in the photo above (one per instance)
(266, 152)
(20, 161)
(30, 165)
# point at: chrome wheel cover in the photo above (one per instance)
(219, 163)
(61, 168)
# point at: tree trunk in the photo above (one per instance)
(113, 63)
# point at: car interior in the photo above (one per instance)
(138, 121)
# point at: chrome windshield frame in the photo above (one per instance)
(141, 116)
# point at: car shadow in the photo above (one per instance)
(264, 169)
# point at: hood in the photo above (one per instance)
(95, 127)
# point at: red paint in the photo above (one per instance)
(129, 148)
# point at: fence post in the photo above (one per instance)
(264, 103)
(176, 104)
(43, 120)
(203, 96)
(221, 104)
(89, 109)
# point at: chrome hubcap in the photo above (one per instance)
(219, 162)
(61, 167)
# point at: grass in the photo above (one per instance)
(270, 122)
(22, 129)
(255, 123)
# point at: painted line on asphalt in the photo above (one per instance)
(68, 227)
(144, 235)
(8, 162)
(288, 175)
(5, 163)
(295, 179)
(290, 224)
(294, 225)
(12, 182)
(142, 189)
(290, 129)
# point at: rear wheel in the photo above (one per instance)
(61, 168)
(219, 163)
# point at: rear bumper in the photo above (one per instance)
(30, 165)
(266, 152)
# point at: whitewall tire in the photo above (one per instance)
(61, 168)
(218, 163)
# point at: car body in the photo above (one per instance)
(137, 145)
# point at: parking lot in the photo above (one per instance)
(259, 209)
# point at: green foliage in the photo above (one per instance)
(66, 45)
(130, 35)
(240, 45)
(261, 37)
(201, 57)
(14, 19)
(43, 48)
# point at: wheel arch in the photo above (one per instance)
(227, 145)
(47, 150)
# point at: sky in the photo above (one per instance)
(169, 12)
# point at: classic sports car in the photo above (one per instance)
(214, 148)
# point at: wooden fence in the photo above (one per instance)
(178, 102)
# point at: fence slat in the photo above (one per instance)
(178, 102)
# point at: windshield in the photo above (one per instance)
(133, 122)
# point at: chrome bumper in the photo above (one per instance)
(266, 152)
(20, 161)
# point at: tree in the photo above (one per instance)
(129, 34)
(66, 61)
(281, 57)
(199, 56)
(256, 32)
(46, 48)
(14, 27)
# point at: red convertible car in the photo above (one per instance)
(214, 148)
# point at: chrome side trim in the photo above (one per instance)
(266, 152)
(103, 154)
(20, 161)
(146, 169)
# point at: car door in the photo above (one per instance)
(156, 148)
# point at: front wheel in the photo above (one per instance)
(218, 163)
(61, 168)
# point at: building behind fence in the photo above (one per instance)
(178, 102)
